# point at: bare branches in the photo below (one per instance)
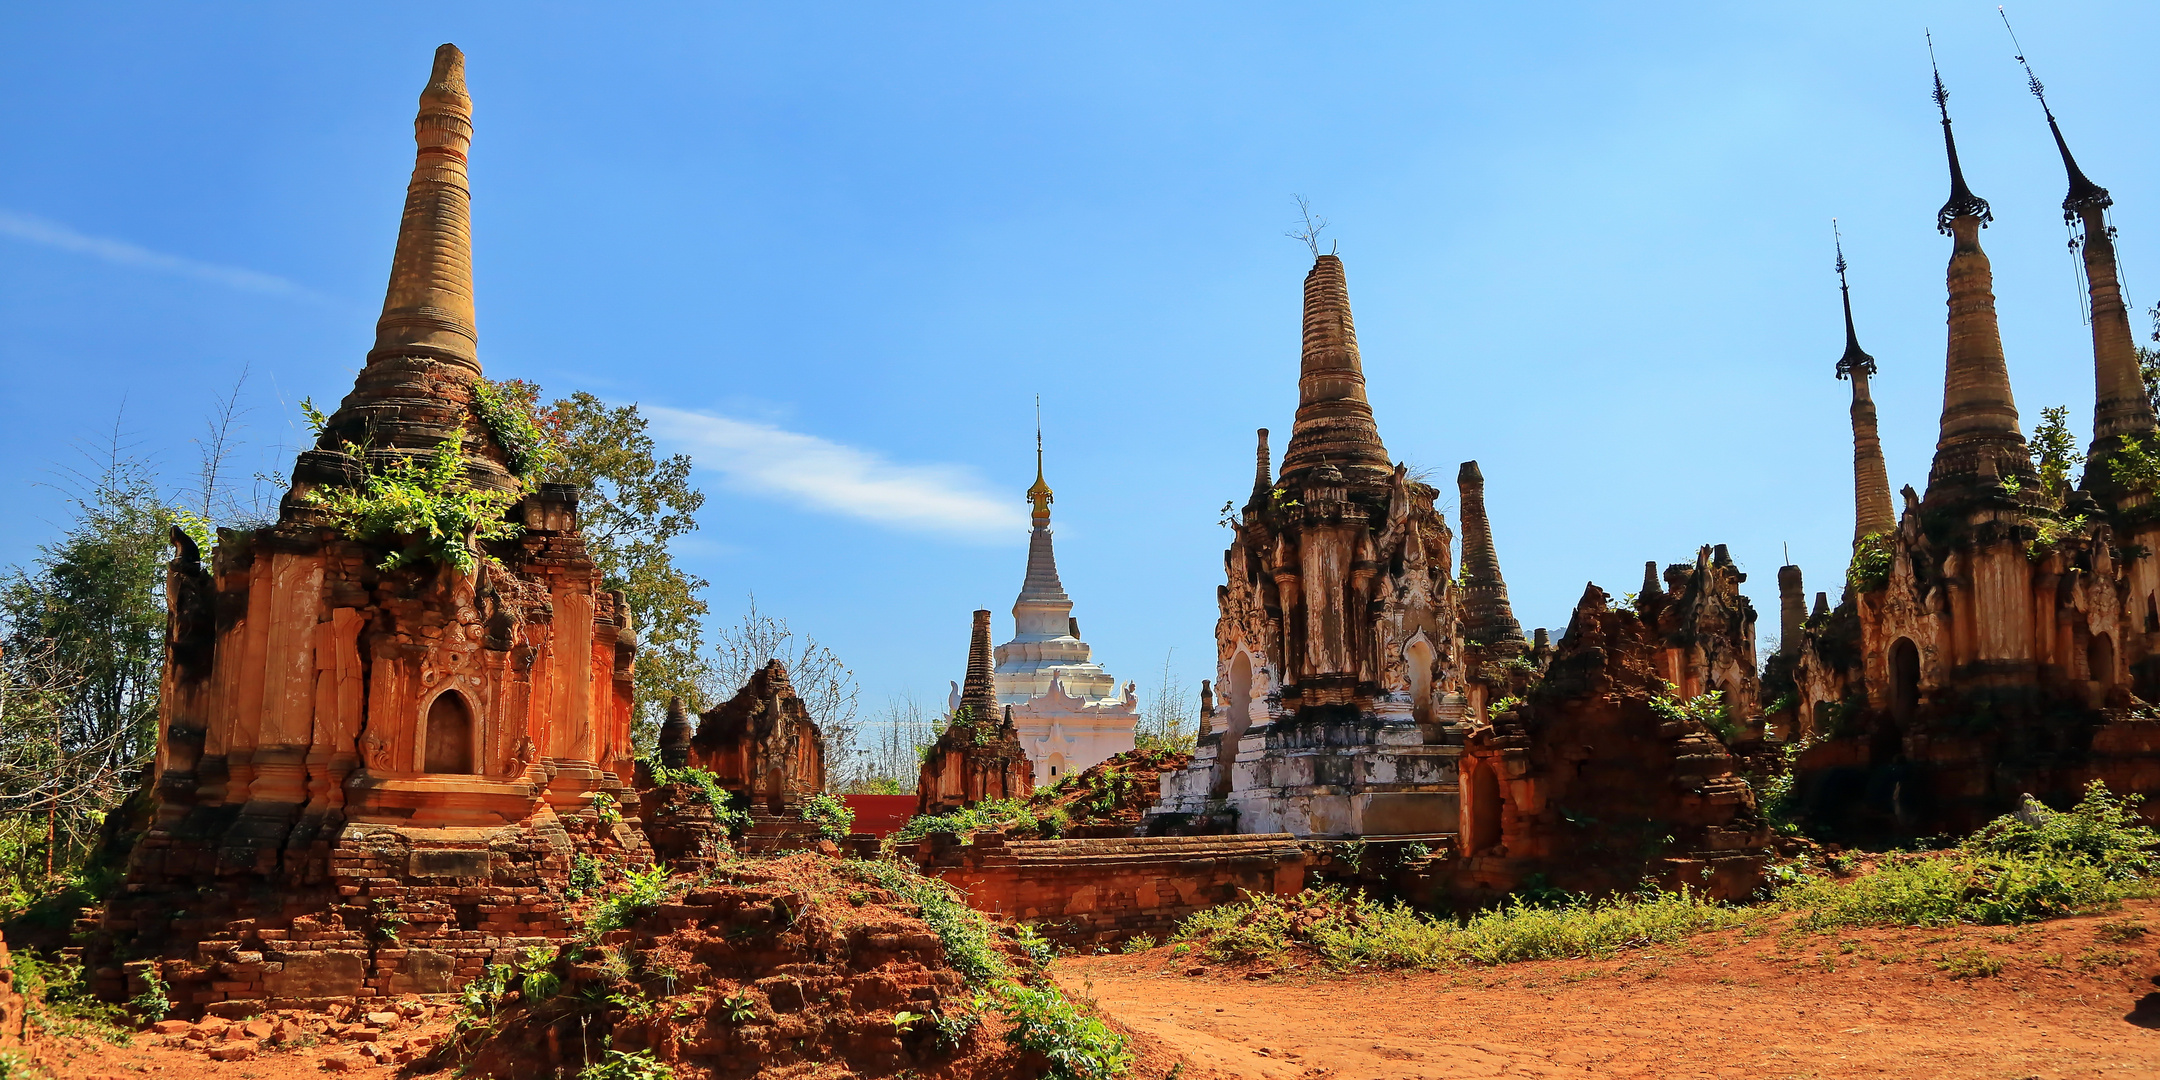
(1309, 227)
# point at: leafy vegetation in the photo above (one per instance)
(2034, 864)
(423, 505)
(639, 892)
(1077, 1046)
(1707, 709)
(618, 1065)
(1871, 558)
(2054, 451)
(510, 411)
(728, 809)
(57, 1001)
(1345, 929)
(834, 819)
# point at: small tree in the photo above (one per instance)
(2054, 452)
(1167, 719)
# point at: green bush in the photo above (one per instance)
(833, 818)
(59, 1002)
(621, 1066)
(2035, 864)
(641, 891)
(1078, 1046)
(1871, 558)
(507, 410)
(1346, 929)
(424, 504)
(728, 808)
(1007, 815)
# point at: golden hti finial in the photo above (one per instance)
(1039, 495)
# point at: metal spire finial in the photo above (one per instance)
(1039, 495)
(2084, 194)
(1962, 202)
(1855, 358)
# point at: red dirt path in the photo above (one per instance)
(2070, 1001)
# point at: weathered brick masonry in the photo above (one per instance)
(1105, 891)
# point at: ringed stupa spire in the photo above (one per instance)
(1334, 424)
(1980, 448)
(1872, 513)
(2120, 406)
(416, 389)
(1488, 618)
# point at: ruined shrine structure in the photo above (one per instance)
(1069, 712)
(1999, 636)
(372, 776)
(762, 746)
(1598, 759)
(979, 755)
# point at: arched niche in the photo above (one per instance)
(2100, 660)
(448, 737)
(1418, 657)
(1904, 680)
(1237, 718)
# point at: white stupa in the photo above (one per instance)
(1069, 711)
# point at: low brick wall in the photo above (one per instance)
(1104, 891)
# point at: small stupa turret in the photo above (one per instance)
(1487, 616)
(1872, 515)
(1334, 424)
(1980, 448)
(978, 693)
(1792, 609)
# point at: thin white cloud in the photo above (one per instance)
(52, 234)
(834, 478)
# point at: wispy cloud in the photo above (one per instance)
(52, 234)
(834, 478)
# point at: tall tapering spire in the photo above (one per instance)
(1980, 451)
(1334, 423)
(1043, 611)
(1872, 513)
(978, 689)
(1962, 202)
(1263, 469)
(416, 389)
(1488, 618)
(2120, 407)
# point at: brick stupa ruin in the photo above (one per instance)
(1997, 638)
(373, 780)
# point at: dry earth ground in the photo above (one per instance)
(2073, 998)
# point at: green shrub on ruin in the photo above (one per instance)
(2034, 864)
(422, 505)
(510, 411)
(1043, 1021)
(1871, 559)
(834, 819)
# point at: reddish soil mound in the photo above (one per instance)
(771, 967)
(1115, 791)
(2073, 997)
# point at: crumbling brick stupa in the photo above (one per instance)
(978, 756)
(374, 769)
(2000, 636)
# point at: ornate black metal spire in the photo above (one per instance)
(1963, 203)
(1855, 358)
(2084, 194)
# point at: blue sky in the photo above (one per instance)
(835, 250)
